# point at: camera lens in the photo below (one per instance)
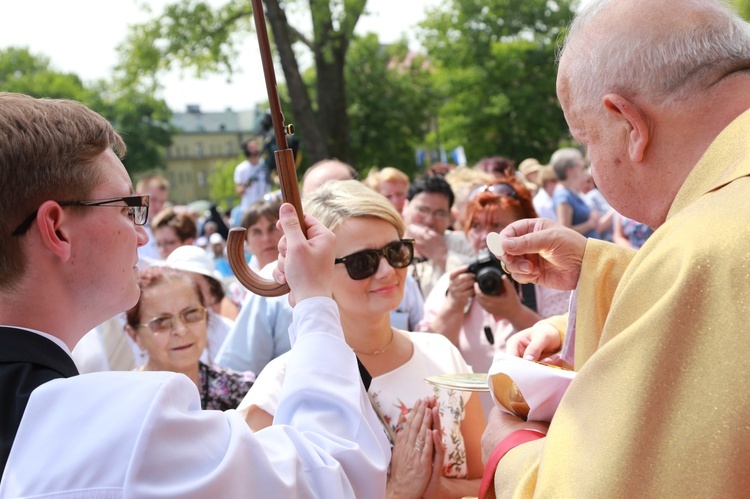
(490, 281)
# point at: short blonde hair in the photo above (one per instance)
(387, 174)
(337, 201)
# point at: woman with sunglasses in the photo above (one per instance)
(169, 322)
(368, 282)
(478, 317)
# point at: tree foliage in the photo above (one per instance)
(390, 103)
(191, 33)
(743, 7)
(26, 73)
(495, 72)
(141, 119)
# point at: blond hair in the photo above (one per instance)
(337, 201)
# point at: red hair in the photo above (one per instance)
(484, 206)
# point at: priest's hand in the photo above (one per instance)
(543, 252)
(535, 343)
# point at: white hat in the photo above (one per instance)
(215, 238)
(193, 259)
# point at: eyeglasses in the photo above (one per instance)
(365, 263)
(165, 323)
(138, 211)
(425, 211)
(500, 189)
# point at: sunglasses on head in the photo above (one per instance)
(365, 263)
(499, 189)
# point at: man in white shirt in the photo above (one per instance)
(68, 249)
(251, 176)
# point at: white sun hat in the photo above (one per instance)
(193, 259)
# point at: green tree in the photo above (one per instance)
(27, 73)
(141, 119)
(495, 70)
(222, 184)
(743, 7)
(191, 33)
(390, 103)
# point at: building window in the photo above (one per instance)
(199, 149)
(201, 179)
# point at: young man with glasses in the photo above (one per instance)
(427, 214)
(68, 252)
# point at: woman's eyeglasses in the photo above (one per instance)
(499, 189)
(165, 323)
(365, 263)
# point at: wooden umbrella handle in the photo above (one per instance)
(285, 165)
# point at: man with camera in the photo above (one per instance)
(251, 176)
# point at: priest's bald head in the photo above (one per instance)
(647, 85)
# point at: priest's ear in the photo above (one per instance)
(634, 123)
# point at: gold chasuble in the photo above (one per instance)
(661, 403)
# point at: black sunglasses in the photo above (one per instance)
(137, 203)
(365, 263)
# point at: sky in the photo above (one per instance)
(81, 36)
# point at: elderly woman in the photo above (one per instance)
(479, 321)
(368, 283)
(169, 323)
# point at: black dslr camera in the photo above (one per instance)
(489, 274)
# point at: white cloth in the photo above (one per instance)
(544, 205)
(142, 434)
(257, 176)
(394, 393)
(541, 387)
(260, 333)
(217, 331)
(149, 252)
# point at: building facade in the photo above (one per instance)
(205, 140)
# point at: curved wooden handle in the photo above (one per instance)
(285, 166)
(248, 278)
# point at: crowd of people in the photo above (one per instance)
(417, 291)
(197, 387)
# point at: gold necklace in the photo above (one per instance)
(382, 350)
